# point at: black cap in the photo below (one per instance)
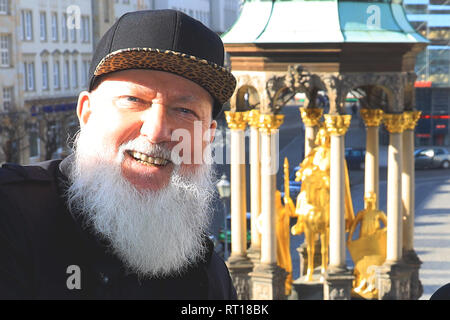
(165, 40)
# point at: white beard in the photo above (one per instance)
(154, 233)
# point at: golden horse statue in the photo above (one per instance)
(313, 202)
(369, 250)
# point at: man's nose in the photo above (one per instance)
(156, 124)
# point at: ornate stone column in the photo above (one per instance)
(267, 277)
(372, 119)
(255, 185)
(408, 175)
(238, 262)
(311, 118)
(338, 279)
(393, 276)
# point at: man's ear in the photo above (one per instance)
(84, 107)
(213, 130)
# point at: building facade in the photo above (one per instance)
(431, 18)
(218, 15)
(46, 49)
(46, 52)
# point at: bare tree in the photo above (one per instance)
(52, 128)
(12, 134)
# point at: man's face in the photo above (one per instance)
(149, 106)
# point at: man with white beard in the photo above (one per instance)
(126, 216)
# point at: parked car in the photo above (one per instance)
(432, 157)
(355, 158)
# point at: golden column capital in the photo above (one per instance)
(311, 116)
(253, 118)
(411, 118)
(337, 125)
(269, 123)
(372, 117)
(394, 122)
(236, 120)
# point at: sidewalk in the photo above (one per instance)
(432, 235)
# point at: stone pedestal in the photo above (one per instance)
(240, 268)
(393, 281)
(268, 282)
(254, 254)
(412, 260)
(308, 290)
(337, 284)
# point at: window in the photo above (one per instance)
(43, 25)
(85, 73)
(66, 75)
(106, 10)
(45, 75)
(85, 29)
(33, 136)
(5, 50)
(64, 27)
(4, 6)
(8, 93)
(73, 34)
(54, 26)
(29, 76)
(75, 74)
(56, 74)
(27, 25)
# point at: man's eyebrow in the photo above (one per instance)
(185, 98)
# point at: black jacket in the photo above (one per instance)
(44, 249)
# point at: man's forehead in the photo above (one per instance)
(148, 81)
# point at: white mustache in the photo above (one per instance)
(141, 145)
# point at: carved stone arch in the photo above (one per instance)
(300, 80)
(409, 96)
(245, 98)
(337, 86)
(393, 86)
(340, 84)
(372, 96)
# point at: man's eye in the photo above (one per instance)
(187, 111)
(130, 101)
(133, 99)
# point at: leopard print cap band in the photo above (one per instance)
(217, 80)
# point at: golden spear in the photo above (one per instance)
(286, 177)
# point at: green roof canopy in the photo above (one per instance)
(322, 21)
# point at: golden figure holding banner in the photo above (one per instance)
(313, 202)
(369, 249)
(284, 213)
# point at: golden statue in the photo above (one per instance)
(313, 202)
(284, 213)
(369, 250)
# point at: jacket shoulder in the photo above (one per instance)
(14, 173)
(221, 285)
